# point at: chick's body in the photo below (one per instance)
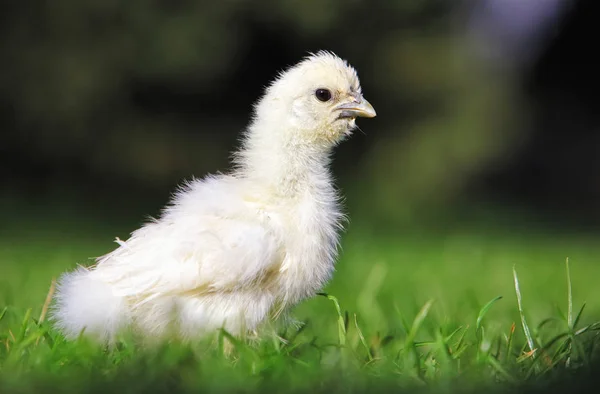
(233, 250)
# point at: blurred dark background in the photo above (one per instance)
(110, 104)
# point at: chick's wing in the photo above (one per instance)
(219, 254)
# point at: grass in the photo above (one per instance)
(452, 311)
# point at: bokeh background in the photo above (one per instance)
(109, 104)
(485, 152)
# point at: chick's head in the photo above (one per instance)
(322, 98)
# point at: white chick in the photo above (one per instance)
(233, 250)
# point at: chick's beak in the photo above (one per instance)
(355, 108)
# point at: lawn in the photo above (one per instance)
(406, 309)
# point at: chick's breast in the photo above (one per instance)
(308, 230)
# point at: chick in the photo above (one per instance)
(233, 250)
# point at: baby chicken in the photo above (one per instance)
(233, 250)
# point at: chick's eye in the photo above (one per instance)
(323, 95)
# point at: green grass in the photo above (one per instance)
(452, 311)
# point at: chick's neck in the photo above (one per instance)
(284, 163)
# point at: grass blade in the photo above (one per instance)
(403, 321)
(341, 319)
(543, 351)
(576, 321)
(362, 338)
(569, 297)
(509, 341)
(411, 354)
(526, 329)
(546, 321)
(483, 311)
(459, 351)
(462, 337)
(444, 355)
(418, 322)
(452, 334)
(593, 326)
(47, 302)
(24, 325)
(49, 339)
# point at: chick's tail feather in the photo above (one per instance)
(83, 303)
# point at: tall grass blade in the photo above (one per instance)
(569, 297)
(526, 329)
